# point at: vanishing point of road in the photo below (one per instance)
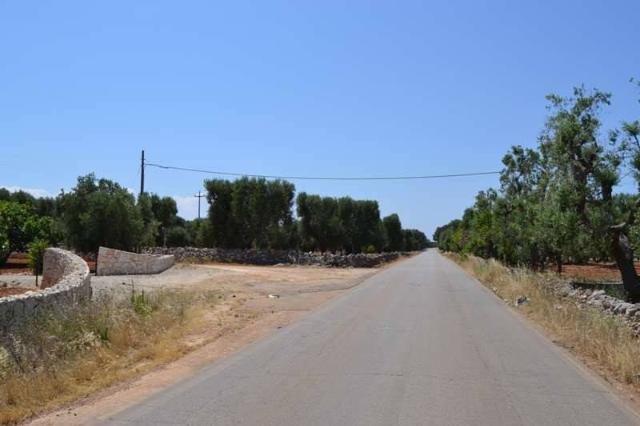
(420, 343)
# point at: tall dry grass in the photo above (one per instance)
(598, 337)
(59, 356)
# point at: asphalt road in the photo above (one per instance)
(417, 344)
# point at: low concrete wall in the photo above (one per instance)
(118, 262)
(273, 257)
(65, 281)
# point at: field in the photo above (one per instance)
(594, 272)
(16, 264)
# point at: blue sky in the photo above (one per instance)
(299, 88)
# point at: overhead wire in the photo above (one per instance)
(334, 178)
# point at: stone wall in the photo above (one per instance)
(593, 295)
(65, 281)
(118, 262)
(599, 299)
(274, 257)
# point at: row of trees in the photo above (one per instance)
(257, 213)
(250, 213)
(556, 202)
(245, 213)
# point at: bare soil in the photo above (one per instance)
(16, 264)
(12, 291)
(595, 271)
(258, 300)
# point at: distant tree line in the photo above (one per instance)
(556, 202)
(258, 213)
(245, 213)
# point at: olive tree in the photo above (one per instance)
(100, 212)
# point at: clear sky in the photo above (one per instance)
(299, 88)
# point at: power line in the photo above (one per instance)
(339, 178)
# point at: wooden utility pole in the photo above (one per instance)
(199, 196)
(142, 173)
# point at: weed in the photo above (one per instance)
(140, 303)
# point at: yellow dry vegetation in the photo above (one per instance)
(60, 357)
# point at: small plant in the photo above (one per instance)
(616, 291)
(36, 257)
(141, 304)
(4, 248)
(369, 249)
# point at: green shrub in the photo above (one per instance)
(178, 237)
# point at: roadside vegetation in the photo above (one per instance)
(62, 355)
(21, 225)
(603, 341)
(557, 202)
(245, 213)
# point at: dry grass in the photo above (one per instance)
(600, 339)
(59, 357)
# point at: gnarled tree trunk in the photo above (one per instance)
(623, 254)
(621, 247)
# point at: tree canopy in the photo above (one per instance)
(20, 225)
(250, 213)
(556, 202)
(100, 212)
(244, 213)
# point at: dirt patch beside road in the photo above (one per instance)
(257, 300)
(594, 272)
(12, 291)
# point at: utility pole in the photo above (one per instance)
(142, 173)
(199, 196)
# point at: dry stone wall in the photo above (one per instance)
(65, 281)
(599, 299)
(118, 262)
(274, 257)
(592, 295)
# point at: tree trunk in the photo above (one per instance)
(559, 265)
(621, 248)
(623, 253)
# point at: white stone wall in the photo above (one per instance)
(65, 281)
(118, 262)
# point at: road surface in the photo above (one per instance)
(420, 343)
